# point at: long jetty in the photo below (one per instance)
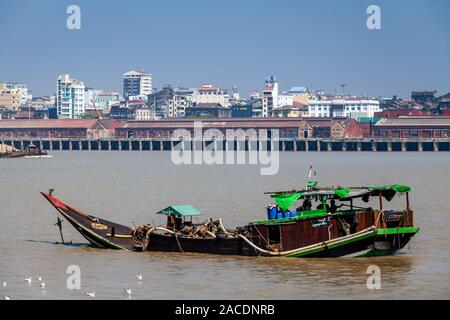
(286, 144)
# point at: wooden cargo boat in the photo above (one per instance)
(30, 152)
(326, 231)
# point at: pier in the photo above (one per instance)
(288, 145)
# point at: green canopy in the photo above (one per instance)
(389, 191)
(180, 211)
(284, 201)
(394, 187)
(342, 192)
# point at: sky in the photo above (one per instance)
(320, 44)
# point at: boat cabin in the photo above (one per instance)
(302, 217)
(179, 216)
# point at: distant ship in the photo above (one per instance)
(30, 152)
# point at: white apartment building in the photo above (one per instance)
(182, 99)
(285, 100)
(209, 94)
(69, 98)
(269, 96)
(137, 83)
(350, 107)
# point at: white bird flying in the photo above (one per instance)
(127, 291)
(39, 279)
(43, 285)
(28, 280)
(139, 277)
(7, 298)
(4, 284)
(91, 294)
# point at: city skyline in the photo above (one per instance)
(319, 45)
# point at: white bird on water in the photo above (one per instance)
(43, 285)
(4, 284)
(7, 298)
(39, 279)
(28, 280)
(127, 291)
(91, 294)
(139, 277)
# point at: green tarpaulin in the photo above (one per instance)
(389, 191)
(284, 201)
(342, 193)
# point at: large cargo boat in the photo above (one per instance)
(329, 222)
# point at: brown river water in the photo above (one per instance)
(129, 187)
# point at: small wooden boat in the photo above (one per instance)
(30, 152)
(326, 231)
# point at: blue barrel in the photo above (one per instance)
(287, 214)
(279, 215)
(294, 214)
(272, 213)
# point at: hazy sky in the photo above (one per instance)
(320, 44)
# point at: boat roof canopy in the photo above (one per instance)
(285, 199)
(180, 211)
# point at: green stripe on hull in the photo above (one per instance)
(402, 230)
(370, 234)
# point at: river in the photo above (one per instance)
(129, 187)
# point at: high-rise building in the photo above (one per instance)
(182, 99)
(269, 96)
(137, 83)
(69, 98)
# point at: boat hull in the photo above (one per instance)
(172, 243)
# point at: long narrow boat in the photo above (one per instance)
(30, 152)
(327, 231)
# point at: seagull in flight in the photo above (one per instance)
(7, 298)
(43, 285)
(28, 280)
(91, 294)
(139, 277)
(39, 279)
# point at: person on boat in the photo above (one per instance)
(333, 207)
(306, 206)
(320, 207)
(171, 221)
(178, 223)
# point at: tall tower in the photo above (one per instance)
(69, 97)
(269, 96)
(137, 83)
